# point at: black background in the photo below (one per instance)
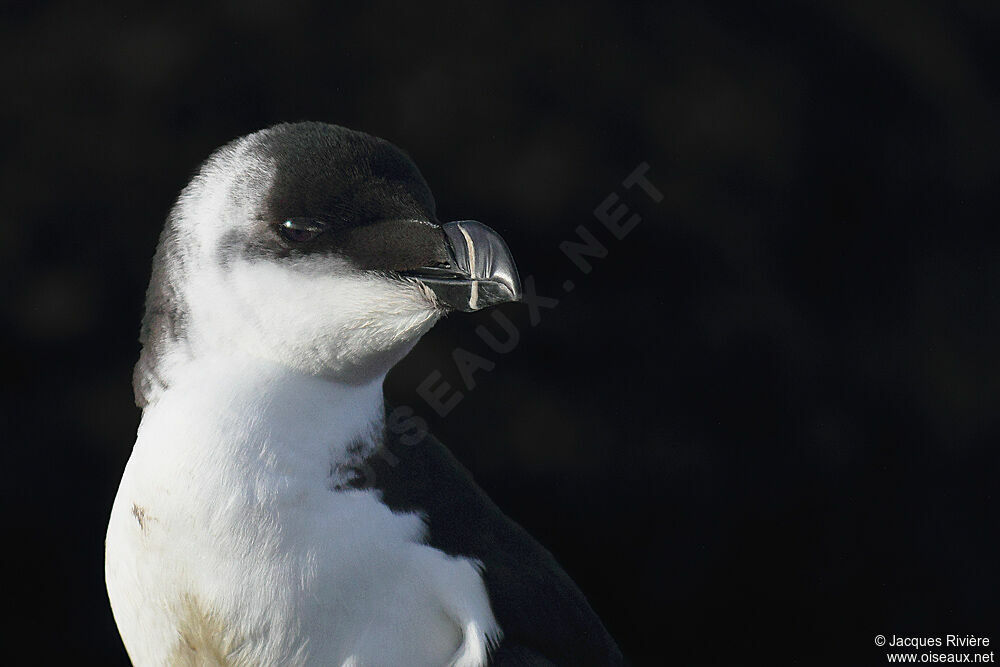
(761, 431)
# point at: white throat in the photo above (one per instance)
(244, 409)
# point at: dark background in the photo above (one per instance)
(761, 431)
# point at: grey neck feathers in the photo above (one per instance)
(164, 322)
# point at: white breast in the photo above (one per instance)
(227, 544)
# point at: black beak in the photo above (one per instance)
(480, 271)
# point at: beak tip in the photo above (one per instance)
(483, 255)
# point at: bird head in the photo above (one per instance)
(315, 247)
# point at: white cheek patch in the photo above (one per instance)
(318, 314)
(221, 197)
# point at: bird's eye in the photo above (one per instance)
(300, 230)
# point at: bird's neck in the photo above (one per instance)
(236, 410)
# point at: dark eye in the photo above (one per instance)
(300, 230)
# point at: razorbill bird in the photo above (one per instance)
(269, 514)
